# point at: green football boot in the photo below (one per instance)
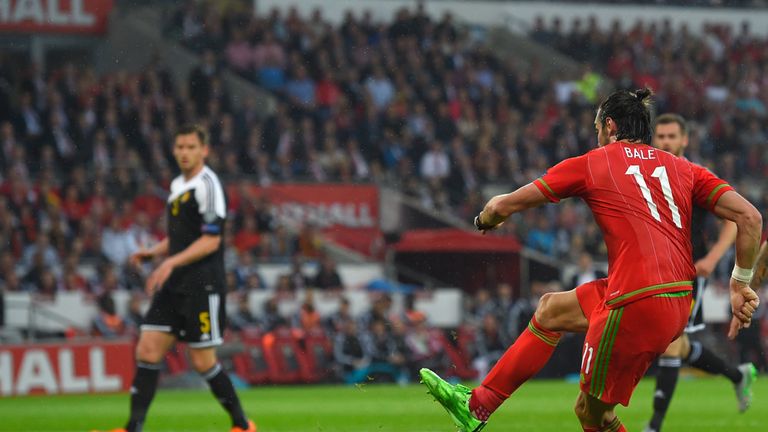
(455, 400)
(744, 387)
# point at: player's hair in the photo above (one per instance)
(670, 118)
(196, 129)
(631, 112)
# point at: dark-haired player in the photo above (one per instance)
(642, 200)
(188, 286)
(671, 134)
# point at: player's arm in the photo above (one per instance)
(200, 248)
(500, 207)
(159, 249)
(706, 265)
(761, 267)
(749, 223)
(561, 181)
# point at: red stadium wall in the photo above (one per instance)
(95, 367)
(63, 16)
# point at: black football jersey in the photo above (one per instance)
(699, 234)
(197, 207)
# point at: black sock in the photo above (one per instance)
(666, 381)
(704, 359)
(142, 392)
(222, 388)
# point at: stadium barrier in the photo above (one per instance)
(72, 367)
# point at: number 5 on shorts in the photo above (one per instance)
(205, 322)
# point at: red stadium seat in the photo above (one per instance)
(460, 364)
(251, 364)
(318, 352)
(176, 359)
(286, 362)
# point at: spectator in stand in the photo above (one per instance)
(335, 322)
(300, 90)
(308, 319)
(247, 238)
(381, 349)
(481, 306)
(380, 311)
(586, 271)
(265, 221)
(380, 89)
(269, 60)
(327, 278)
(242, 318)
(40, 254)
(108, 281)
(282, 244)
(424, 347)
(285, 289)
(117, 242)
(491, 341)
(108, 324)
(149, 199)
(435, 165)
(271, 318)
(296, 275)
(350, 355)
(309, 241)
(239, 53)
(542, 238)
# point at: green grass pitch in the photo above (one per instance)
(705, 404)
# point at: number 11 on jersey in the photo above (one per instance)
(661, 174)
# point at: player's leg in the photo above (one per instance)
(666, 380)
(742, 376)
(596, 415)
(205, 316)
(156, 338)
(700, 357)
(556, 312)
(620, 345)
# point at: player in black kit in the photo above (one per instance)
(671, 134)
(188, 286)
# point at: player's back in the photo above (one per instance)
(642, 199)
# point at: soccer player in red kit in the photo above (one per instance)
(642, 199)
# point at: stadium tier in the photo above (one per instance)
(354, 150)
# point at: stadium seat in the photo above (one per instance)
(176, 359)
(460, 364)
(251, 364)
(286, 362)
(318, 351)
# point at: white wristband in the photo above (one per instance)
(742, 274)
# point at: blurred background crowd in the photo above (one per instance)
(412, 102)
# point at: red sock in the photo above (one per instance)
(523, 360)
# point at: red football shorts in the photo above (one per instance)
(622, 343)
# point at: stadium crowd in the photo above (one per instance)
(413, 103)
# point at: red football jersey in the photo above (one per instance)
(642, 199)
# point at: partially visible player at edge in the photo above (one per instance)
(642, 199)
(188, 286)
(671, 135)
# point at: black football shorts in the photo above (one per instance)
(197, 317)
